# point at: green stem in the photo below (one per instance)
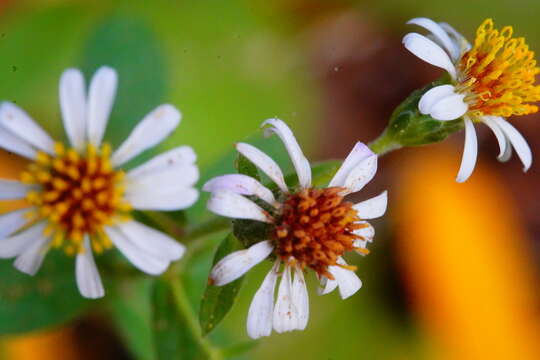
(383, 144)
(184, 308)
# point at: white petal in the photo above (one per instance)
(347, 280)
(152, 241)
(73, 107)
(499, 134)
(236, 264)
(30, 259)
(20, 124)
(470, 152)
(16, 244)
(507, 151)
(429, 51)
(451, 107)
(301, 164)
(15, 144)
(240, 184)
(459, 39)
(285, 313)
(518, 142)
(152, 130)
(11, 190)
(360, 244)
(367, 232)
(229, 204)
(259, 321)
(300, 298)
(177, 157)
(12, 221)
(372, 208)
(327, 286)
(163, 181)
(359, 153)
(361, 175)
(165, 200)
(440, 34)
(139, 258)
(87, 275)
(100, 101)
(432, 96)
(264, 162)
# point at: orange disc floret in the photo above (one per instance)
(315, 228)
(78, 194)
(498, 74)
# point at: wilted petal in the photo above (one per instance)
(240, 184)
(372, 208)
(236, 264)
(359, 153)
(285, 312)
(259, 321)
(301, 164)
(230, 204)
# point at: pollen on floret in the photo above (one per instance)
(498, 74)
(79, 193)
(315, 228)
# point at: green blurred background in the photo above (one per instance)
(334, 70)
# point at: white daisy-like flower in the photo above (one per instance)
(490, 80)
(79, 198)
(308, 228)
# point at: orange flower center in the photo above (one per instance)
(315, 228)
(498, 74)
(79, 195)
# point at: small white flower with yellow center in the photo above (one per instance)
(79, 198)
(491, 80)
(308, 228)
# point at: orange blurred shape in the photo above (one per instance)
(11, 166)
(49, 345)
(464, 251)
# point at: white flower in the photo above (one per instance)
(310, 228)
(490, 80)
(80, 198)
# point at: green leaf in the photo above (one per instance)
(175, 335)
(128, 45)
(51, 297)
(218, 300)
(408, 127)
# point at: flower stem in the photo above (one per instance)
(185, 310)
(383, 144)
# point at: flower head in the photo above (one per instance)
(79, 197)
(492, 79)
(309, 228)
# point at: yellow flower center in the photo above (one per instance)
(498, 74)
(315, 228)
(78, 194)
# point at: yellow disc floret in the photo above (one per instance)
(79, 194)
(498, 74)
